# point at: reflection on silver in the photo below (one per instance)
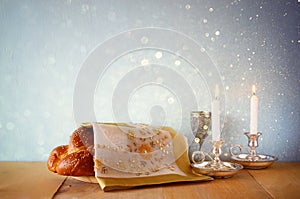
(229, 169)
(215, 168)
(200, 124)
(263, 162)
(251, 160)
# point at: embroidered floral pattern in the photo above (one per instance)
(132, 150)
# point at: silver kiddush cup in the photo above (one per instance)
(200, 125)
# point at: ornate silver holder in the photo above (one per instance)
(251, 159)
(200, 124)
(215, 168)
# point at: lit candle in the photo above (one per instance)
(254, 111)
(215, 114)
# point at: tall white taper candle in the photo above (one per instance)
(253, 111)
(215, 114)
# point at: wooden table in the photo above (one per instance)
(32, 180)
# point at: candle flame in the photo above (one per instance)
(253, 89)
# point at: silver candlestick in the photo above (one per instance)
(253, 144)
(216, 167)
(251, 159)
(217, 151)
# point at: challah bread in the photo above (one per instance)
(75, 159)
(55, 157)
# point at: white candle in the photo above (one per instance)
(253, 111)
(215, 114)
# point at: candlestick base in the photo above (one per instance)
(251, 160)
(215, 168)
(228, 170)
(262, 162)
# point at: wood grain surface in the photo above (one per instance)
(280, 180)
(33, 180)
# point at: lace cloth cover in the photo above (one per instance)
(133, 150)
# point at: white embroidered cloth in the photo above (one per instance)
(133, 150)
